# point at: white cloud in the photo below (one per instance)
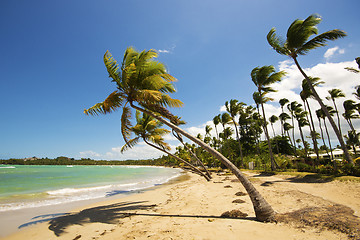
(169, 50)
(332, 51)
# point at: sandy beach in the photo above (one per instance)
(191, 209)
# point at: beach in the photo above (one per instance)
(190, 208)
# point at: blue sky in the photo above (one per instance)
(51, 65)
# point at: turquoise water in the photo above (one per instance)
(34, 186)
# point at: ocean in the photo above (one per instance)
(27, 186)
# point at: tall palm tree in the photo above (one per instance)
(297, 43)
(273, 120)
(148, 129)
(144, 84)
(216, 121)
(321, 114)
(282, 103)
(350, 106)
(262, 77)
(305, 94)
(334, 94)
(292, 107)
(300, 116)
(233, 108)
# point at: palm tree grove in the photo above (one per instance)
(245, 135)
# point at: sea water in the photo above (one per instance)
(35, 186)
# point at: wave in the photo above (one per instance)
(7, 167)
(67, 195)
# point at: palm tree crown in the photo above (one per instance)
(297, 38)
(141, 80)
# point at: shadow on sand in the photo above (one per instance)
(111, 214)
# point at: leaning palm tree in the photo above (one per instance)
(149, 130)
(233, 108)
(262, 77)
(144, 84)
(334, 94)
(300, 116)
(292, 107)
(282, 103)
(350, 106)
(305, 94)
(297, 43)
(321, 114)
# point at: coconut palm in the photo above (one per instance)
(292, 107)
(262, 77)
(350, 106)
(320, 113)
(233, 108)
(357, 91)
(216, 121)
(282, 103)
(319, 116)
(144, 84)
(305, 94)
(297, 43)
(178, 137)
(148, 129)
(300, 116)
(334, 94)
(352, 140)
(273, 120)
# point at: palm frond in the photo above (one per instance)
(125, 123)
(130, 144)
(112, 67)
(276, 42)
(321, 40)
(110, 104)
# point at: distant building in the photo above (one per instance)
(31, 159)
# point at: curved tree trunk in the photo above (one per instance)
(179, 159)
(262, 208)
(323, 107)
(192, 153)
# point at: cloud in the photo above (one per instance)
(333, 74)
(169, 50)
(331, 52)
(140, 151)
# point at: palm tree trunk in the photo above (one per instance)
(238, 139)
(193, 154)
(262, 208)
(179, 159)
(293, 133)
(277, 145)
(327, 133)
(273, 163)
(303, 140)
(322, 137)
(323, 107)
(312, 132)
(337, 114)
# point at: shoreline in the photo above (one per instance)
(21, 219)
(191, 209)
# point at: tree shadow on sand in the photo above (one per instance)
(111, 214)
(102, 214)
